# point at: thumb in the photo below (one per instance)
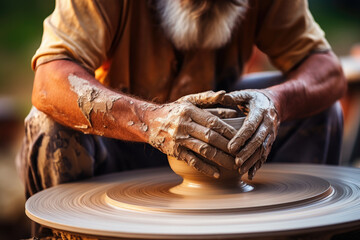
(204, 99)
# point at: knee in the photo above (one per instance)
(52, 153)
(64, 156)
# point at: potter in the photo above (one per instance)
(128, 82)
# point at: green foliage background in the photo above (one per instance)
(20, 35)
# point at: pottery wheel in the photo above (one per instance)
(282, 198)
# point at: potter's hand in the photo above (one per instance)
(210, 98)
(180, 129)
(253, 142)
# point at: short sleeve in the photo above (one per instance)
(287, 32)
(79, 30)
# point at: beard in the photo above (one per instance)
(200, 23)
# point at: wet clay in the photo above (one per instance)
(91, 98)
(204, 99)
(144, 127)
(229, 180)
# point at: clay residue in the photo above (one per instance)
(91, 98)
(144, 127)
(164, 126)
(204, 99)
(83, 126)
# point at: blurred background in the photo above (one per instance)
(20, 36)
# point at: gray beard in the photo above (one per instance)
(187, 32)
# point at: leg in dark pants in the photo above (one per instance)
(52, 154)
(315, 139)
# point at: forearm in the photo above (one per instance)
(73, 97)
(312, 87)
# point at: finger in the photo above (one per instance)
(250, 125)
(257, 141)
(265, 152)
(235, 98)
(254, 169)
(197, 163)
(206, 135)
(223, 112)
(204, 98)
(267, 145)
(250, 162)
(209, 152)
(208, 120)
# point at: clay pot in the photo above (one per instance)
(196, 183)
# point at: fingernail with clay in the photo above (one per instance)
(216, 175)
(238, 161)
(241, 171)
(231, 147)
(252, 174)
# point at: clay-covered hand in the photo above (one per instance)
(253, 142)
(210, 98)
(182, 130)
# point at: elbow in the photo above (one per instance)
(39, 97)
(344, 85)
(39, 100)
(341, 82)
(336, 73)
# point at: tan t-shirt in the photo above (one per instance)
(125, 39)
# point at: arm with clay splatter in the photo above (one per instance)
(72, 96)
(312, 86)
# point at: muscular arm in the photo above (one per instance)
(311, 87)
(70, 95)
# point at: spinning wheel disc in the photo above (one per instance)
(285, 198)
(268, 189)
